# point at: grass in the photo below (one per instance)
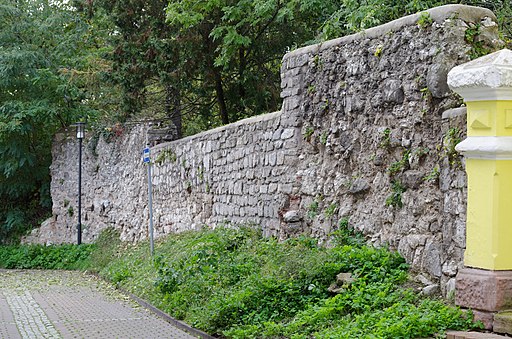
(235, 283)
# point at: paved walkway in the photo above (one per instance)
(62, 304)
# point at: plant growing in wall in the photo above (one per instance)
(378, 51)
(450, 140)
(426, 94)
(323, 138)
(308, 132)
(385, 139)
(425, 20)
(313, 209)
(433, 176)
(166, 155)
(317, 61)
(331, 210)
(395, 198)
(478, 48)
(400, 165)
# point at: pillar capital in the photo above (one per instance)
(488, 78)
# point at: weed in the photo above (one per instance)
(478, 48)
(308, 133)
(200, 173)
(331, 210)
(395, 198)
(235, 283)
(313, 209)
(385, 140)
(400, 165)
(378, 51)
(345, 235)
(325, 106)
(450, 141)
(311, 89)
(317, 61)
(433, 175)
(107, 249)
(421, 151)
(71, 212)
(323, 138)
(166, 155)
(425, 20)
(425, 93)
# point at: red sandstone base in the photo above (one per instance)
(486, 292)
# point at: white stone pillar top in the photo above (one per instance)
(486, 78)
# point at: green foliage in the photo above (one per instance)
(353, 16)
(385, 140)
(425, 93)
(378, 51)
(323, 138)
(433, 175)
(107, 247)
(43, 46)
(238, 284)
(400, 165)
(425, 20)
(313, 209)
(345, 235)
(395, 198)
(66, 256)
(331, 210)
(478, 48)
(308, 133)
(451, 139)
(166, 155)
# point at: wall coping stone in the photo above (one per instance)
(243, 122)
(438, 14)
(486, 78)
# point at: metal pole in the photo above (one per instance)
(150, 193)
(79, 241)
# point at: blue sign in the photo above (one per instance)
(145, 155)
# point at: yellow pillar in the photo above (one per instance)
(486, 86)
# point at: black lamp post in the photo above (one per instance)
(80, 133)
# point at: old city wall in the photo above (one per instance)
(366, 132)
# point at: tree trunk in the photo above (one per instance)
(173, 107)
(221, 100)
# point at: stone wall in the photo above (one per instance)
(366, 132)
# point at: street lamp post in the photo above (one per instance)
(80, 133)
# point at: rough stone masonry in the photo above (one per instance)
(367, 132)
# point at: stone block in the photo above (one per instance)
(484, 290)
(503, 322)
(472, 335)
(486, 318)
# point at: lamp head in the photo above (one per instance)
(80, 130)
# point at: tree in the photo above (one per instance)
(211, 62)
(41, 52)
(353, 15)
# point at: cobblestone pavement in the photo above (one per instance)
(65, 304)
